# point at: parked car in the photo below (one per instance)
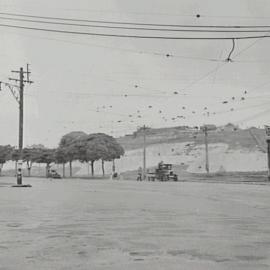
(164, 172)
(54, 174)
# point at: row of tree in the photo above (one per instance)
(87, 148)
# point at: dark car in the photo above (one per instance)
(54, 174)
(163, 173)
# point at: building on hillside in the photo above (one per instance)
(230, 127)
(210, 127)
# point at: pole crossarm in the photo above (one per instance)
(12, 89)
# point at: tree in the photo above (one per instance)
(99, 146)
(5, 155)
(89, 149)
(69, 147)
(94, 150)
(30, 155)
(61, 158)
(15, 156)
(113, 150)
(46, 156)
(86, 151)
(78, 145)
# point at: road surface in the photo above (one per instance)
(105, 224)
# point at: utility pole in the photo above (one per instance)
(205, 130)
(144, 152)
(19, 175)
(18, 94)
(206, 150)
(267, 129)
(268, 154)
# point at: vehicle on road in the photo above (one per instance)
(162, 173)
(54, 174)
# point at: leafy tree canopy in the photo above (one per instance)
(31, 154)
(100, 146)
(69, 145)
(5, 153)
(46, 156)
(78, 145)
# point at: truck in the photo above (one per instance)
(162, 173)
(54, 174)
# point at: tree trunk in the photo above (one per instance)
(113, 166)
(92, 167)
(47, 170)
(102, 165)
(88, 169)
(64, 170)
(28, 168)
(70, 168)
(1, 167)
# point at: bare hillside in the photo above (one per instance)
(230, 149)
(250, 139)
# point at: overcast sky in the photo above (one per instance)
(76, 76)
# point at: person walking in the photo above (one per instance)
(139, 177)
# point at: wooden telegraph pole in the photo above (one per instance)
(268, 154)
(205, 129)
(20, 99)
(19, 174)
(267, 129)
(206, 149)
(144, 153)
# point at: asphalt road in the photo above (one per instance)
(82, 224)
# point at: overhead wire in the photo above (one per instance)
(209, 73)
(222, 65)
(131, 23)
(153, 53)
(151, 13)
(232, 50)
(219, 67)
(192, 30)
(193, 15)
(50, 30)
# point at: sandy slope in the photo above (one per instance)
(221, 157)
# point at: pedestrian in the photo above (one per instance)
(160, 164)
(139, 177)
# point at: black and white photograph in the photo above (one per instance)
(135, 135)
